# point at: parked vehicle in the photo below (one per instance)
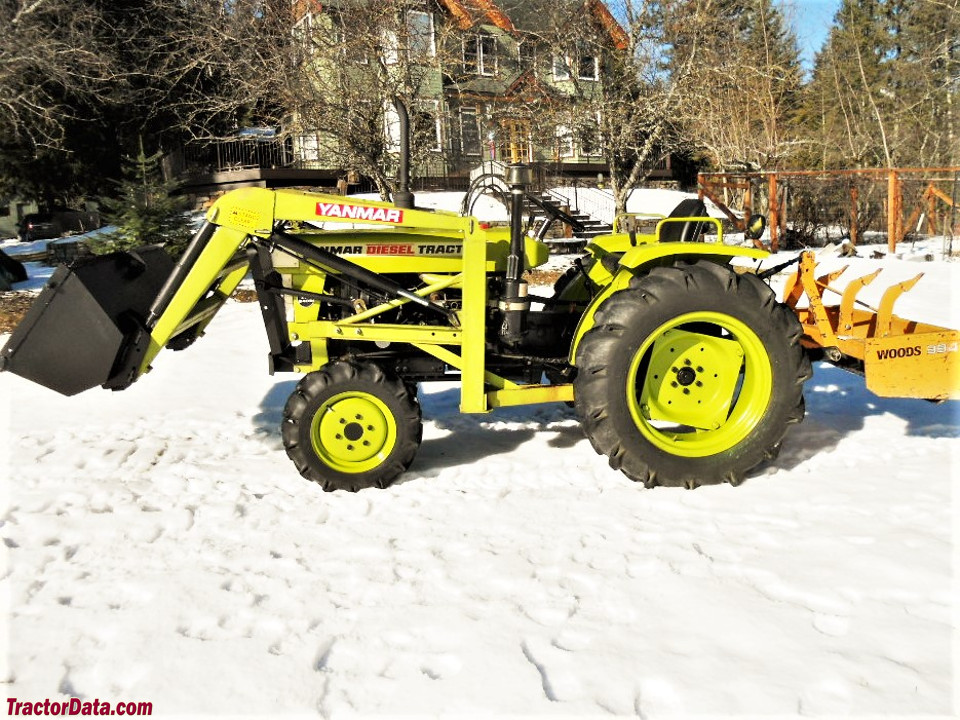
(49, 225)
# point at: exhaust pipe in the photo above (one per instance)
(403, 198)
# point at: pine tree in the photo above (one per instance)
(144, 210)
(928, 75)
(885, 85)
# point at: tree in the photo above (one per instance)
(144, 210)
(42, 73)
(75, 101)
(345, 70)
(648, 52)
(747, 88)
(886, 84)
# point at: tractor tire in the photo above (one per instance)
(351, 425)
(690, 376)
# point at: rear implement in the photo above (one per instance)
(898, 357)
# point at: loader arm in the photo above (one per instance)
(207, 274)
(214, 262)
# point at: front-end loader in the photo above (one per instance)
(683, 371)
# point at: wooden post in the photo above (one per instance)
(785, 207)
(931, 210)
(747, 204)
(894, 211)
(774, 214)
(854, 215)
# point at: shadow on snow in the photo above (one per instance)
(837, 402)
(838, 405)
(469, 438)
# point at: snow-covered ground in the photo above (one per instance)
(160, 547)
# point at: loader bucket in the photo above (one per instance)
(898, 357)
(80, 328)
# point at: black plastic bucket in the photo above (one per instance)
(78, 331)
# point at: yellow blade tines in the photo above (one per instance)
(900, 357)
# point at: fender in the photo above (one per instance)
(642, 258)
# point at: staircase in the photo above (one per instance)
(584, 228)
(588, 212)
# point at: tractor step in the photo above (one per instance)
(85, 322)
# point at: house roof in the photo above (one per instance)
(609, 23)
(472, 12)
(511, 16)
(528, 15)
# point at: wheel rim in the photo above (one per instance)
(353, 432)
(699, 384)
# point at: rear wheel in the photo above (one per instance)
(351, 426)
(691, 376)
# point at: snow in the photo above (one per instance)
(160, 547)
(660, 201)
(485, 208)
(14, 247)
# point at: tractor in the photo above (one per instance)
(682, 370)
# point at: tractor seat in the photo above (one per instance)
(685, 231)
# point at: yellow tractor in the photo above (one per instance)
(683, 371)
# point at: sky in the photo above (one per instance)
(811, 20)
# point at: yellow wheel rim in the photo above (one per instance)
(353, 432)
(699, 384)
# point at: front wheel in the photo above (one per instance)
(691, 376)
(351, 425)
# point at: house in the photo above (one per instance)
(510, 78)
(489, 82)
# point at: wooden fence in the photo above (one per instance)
(857, 200)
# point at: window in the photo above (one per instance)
(340, 39)
(390, 51)
(527, 54)
(302, 29)
(308, 147)
(419, 38)
(391, 129)
(515, 144)
(587, 67)
(425, 125)
(480, 55)
(588, 137)
(420, 31)
(470, 131)
(564, 142)
(487, 55)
